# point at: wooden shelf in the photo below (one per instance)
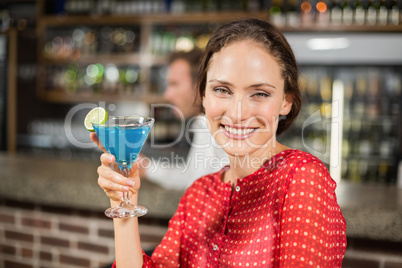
(117, 58)
(144, 58)
(344, 28)
(62, 97)
(201, 17)
(192, 17)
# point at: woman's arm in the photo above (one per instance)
(127, 240)
(312, 225)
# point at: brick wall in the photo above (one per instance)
(33, 236)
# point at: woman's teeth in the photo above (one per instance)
(239, 131)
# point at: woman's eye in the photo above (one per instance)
(261, 95)
(221, 90)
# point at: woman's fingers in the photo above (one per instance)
(96, 140)
(135, 174)
(114, 180)
(114, 183)
(107, 159)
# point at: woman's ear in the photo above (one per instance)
(286, 104)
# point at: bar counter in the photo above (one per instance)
(371, 211)
(71, 184)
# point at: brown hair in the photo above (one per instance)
(272, 39)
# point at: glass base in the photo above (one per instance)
(126, 210)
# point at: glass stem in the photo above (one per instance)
(126, 195)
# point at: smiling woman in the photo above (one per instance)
(272, 206)
(242, 109)
(268, 38)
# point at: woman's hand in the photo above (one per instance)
(112, 181)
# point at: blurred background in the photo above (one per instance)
(61, 58)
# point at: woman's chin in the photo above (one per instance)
(238, 151)
(235, 149)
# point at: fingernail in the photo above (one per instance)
(110, 158)
(125, 188)
(130, 182)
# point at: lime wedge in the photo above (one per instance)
(97, 115)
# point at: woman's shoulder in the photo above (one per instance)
(297, 158)
(304, 165)
(294, 161)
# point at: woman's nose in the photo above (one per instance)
(239, 110)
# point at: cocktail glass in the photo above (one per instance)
(123, 137)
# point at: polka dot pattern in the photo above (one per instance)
(283, 215)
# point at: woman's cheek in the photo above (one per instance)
(213, 108)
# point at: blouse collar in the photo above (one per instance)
(269, 166)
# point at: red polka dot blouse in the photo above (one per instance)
(283, 215)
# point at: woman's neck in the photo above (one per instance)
(242, 166)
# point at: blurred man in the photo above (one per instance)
(181, 78)
(204, 155)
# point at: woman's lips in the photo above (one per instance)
(238, 132)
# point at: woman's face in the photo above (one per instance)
(244, 97)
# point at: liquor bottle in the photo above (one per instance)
(227, 5)
(307, 13)
(354, 136)
(345, 149)
(336, 12)
(323, 14)
(363, 169)
(168, 43)
(244, 5)
(354, 174)
(394, 13)
(359, 16)
(345, 169)
(276, 13)
(178, 7)
(383, 168)
(364, 141)
(192, 6)
(373, 103)
(293, 13)
(325, 89)
(218, 5)
(394, 88)
(103, 7)
(383, 13)
(372, 12)
(347, 111)
(347, 13)
(206, 5)
(254, 5)
(372, 172)
(359, 106)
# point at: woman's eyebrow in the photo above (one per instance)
(251, 86)
(262, 84)
(220, 81)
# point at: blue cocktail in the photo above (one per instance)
(124, 137)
